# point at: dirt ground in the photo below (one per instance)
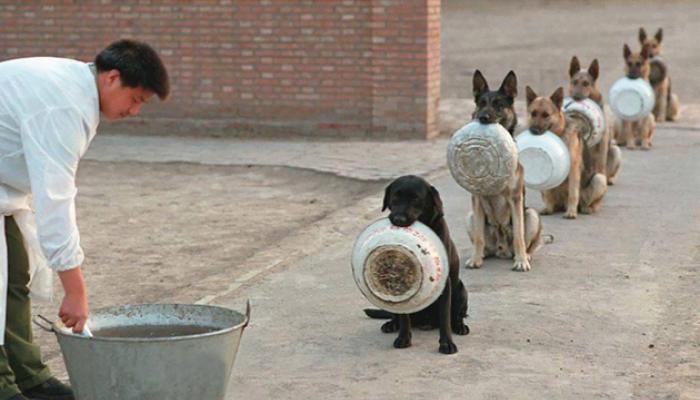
(151, 232)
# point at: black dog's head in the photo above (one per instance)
(412, 199)
(496, 106)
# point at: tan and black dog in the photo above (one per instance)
(667, 105)
(631, 133)
(583, 84)
(584, 189)
(500, 225)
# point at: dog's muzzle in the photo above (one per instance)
(486, 117)
(400, 220)
(536, 130)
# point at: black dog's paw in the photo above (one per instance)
(390, 326)
(460, 329)
(402, 342)
(448, 348)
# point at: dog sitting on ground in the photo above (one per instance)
(500, 225)
(667, 106)
(411, 199)
(631, 133)
(584, 189)
(583, 84)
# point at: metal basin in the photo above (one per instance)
(179, 367)
(482, 158)
(400, 269)
(631, 99)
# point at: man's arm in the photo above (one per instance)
(52, 141)
(74, 308)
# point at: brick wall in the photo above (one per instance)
(364, 68)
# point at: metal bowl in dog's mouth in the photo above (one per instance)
(393, 273)
(399, 269)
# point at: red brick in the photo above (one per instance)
(371, 65)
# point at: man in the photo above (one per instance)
(49, 112)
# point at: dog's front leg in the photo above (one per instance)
(392, 325)
(550, 202)
(521, 262)
(614, 161)
(404, 338)
(629, 134)
(660, 108)
(476, 226)
(673, 106)
(647, 128)
(601, 155)
(447, 346)
(574, 188)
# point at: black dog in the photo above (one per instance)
(411, 199)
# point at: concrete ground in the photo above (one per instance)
(537, 38)
(608, 311)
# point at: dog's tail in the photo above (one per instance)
(378, 314)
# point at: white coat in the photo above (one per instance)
(49, 112)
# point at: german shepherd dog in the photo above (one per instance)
(500, 225)
(630, 133)
(667, 106)
(583, 190)
(410, 199)
(583, 84)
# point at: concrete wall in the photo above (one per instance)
(324, 67)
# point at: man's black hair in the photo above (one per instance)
(138, 65)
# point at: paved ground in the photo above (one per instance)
(609, 310)
(537, 39)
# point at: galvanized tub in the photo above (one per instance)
(190, 366)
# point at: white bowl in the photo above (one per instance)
(545, 159)
(592, 111)
(401, 270)
(482, 157)
(631, 99)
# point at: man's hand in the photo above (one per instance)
(74, 308)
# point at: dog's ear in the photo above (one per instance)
(530, 95)
(387, 197)
(574, 67)
(659, 35)
(437, 203)
(509, 86)
(645, 52)
(479, 85)
(558, 97)
(642, 35)
(594, 69)
(626, 52)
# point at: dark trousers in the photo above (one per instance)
(21, 367)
